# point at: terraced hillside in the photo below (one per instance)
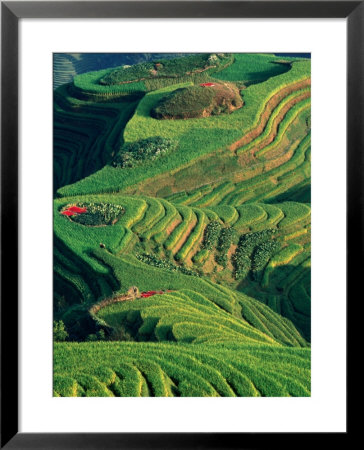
(67, 65)
(161, 370)
(183, 243)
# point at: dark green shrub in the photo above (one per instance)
(165, 264)
(99, 214)
(222, 260)
(211, 235)
(249, 241)
(184, 103)
(253, 253)
(225, 239)
(128, 73)
(101, 336)
(150, 149)
(59, 331)
(263, 253)
(241, 263)
(167, 68)
(221, 109)
(91, 338)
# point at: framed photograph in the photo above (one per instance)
(179, 179)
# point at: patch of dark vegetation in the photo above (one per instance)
(199, 101)
(98, 336)
(253, 252)
(165, 264)
(226, 238)
(98, 214)
(261, 256)
(79, 324)
(60, 333)
(211, 234)
(218, 239)
(168, 68)
(299, 193)
(184, 103)
(136, 153)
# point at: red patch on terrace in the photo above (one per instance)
(73, 210)
(149, 293)
(207, 84)
(77, 209)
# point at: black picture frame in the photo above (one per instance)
(11, 12)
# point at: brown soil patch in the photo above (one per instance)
(200, 70)
(209, 264)
(184, 237)
(109, 301)
(247, 174)
(247, 159)
(281, 159)
(173, 225)
(230, 253)
(231, 250)
(280, 149)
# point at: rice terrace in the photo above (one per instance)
(182, 225)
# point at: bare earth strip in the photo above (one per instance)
(185, 235)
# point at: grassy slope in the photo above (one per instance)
(197, 137)
(248, 68)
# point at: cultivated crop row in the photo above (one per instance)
(146, 369)
(277, 117)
